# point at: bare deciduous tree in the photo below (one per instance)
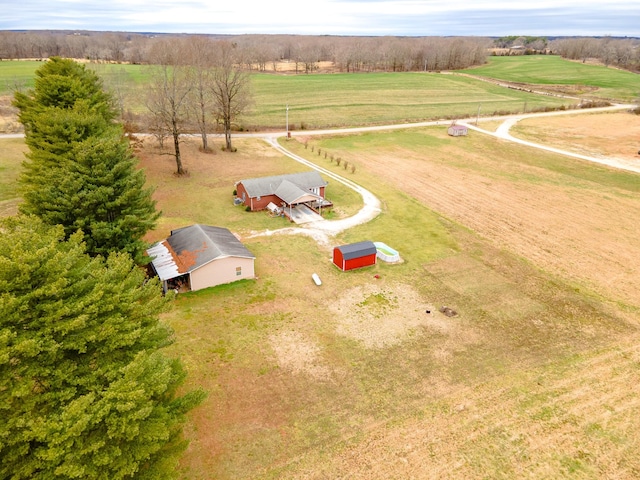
(201, 59)
(169, 90)
(230, 89)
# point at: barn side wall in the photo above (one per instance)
(360, 262)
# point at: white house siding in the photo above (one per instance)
(222, 270)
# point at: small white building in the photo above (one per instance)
(457, 130)
(201, 256)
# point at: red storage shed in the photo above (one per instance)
(354, 255)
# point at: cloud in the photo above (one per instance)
(331, 17)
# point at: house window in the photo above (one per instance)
(238, 271)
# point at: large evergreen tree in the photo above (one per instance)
(80, 172)
(62, 83)
(85, 391)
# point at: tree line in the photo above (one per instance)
(261, 52)
(307, 52)
(85, 388)
(618, 52)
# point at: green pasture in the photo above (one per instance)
(12, 155)
(21, 74)
(611, 83)
(17, 74)
(340, 100)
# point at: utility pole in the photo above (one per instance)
(478, 115)
(287, 116)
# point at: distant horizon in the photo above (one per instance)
(64, 30)
(350, 18)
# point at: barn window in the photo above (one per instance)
(238, 271)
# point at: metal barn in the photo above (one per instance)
(354, 255)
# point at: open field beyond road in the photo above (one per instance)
(341, 99)
(614, 135)
(555, 74)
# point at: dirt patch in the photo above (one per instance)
(298, 354)
(379, 316)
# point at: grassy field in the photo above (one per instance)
(548, 70)
(536, 376)
(12, 155)
(338, 100)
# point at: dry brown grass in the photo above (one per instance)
(613, 135)
(536, 377)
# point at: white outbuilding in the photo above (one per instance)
(201, 256)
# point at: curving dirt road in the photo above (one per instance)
(577, 231)
(371, 207)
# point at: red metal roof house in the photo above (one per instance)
(354, 255)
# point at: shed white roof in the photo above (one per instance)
(163, 262)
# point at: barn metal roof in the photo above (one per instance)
(305, 181)
(189, 248)
(356, 250)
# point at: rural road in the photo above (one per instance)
(503, 132)
(322, 230)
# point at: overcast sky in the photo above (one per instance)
(330, 17)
